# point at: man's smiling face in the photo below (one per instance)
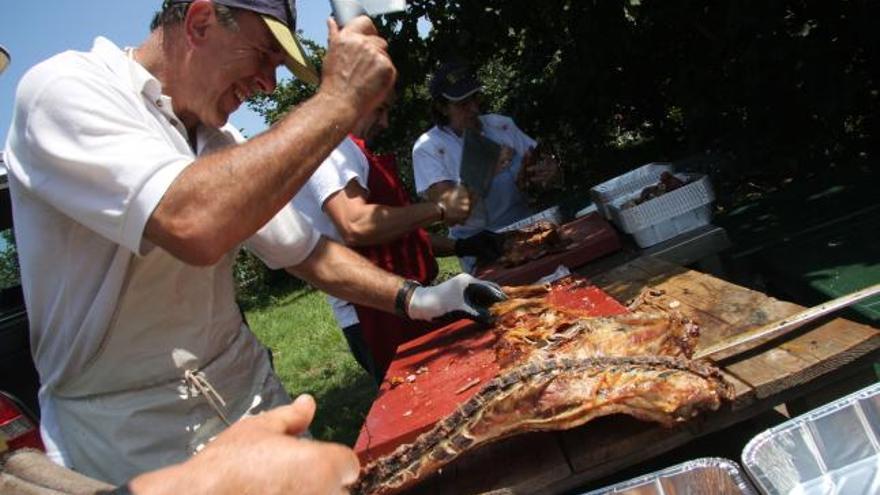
(227, 66)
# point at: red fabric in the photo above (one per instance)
(409, 256)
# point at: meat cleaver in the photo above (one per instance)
(479, 157)
(346, 10)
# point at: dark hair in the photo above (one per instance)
(174, 13)
(437, 104)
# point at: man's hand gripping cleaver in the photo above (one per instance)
(346, 10)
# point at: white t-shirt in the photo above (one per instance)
(345, 164)
(116, 321)
(437, 153)
(437, 158)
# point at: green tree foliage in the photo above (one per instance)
(9, 272)
(775, 87)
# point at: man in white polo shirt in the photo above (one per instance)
(131, 195)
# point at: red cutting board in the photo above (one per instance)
(439, 371)
(590, 237)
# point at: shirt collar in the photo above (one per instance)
(118, 62)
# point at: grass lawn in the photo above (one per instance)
(311, 355)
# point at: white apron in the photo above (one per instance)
(132, 409)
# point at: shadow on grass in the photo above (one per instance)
(343, 408)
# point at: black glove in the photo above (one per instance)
(486, 246)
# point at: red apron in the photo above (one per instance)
(409, 256)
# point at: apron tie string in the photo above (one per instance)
(200, 382)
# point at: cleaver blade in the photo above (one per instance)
(479, 156)
(346, 10)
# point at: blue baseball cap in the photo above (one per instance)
(454, 81)
(280, 17)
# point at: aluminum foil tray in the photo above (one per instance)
(710, 475)
(635, 180)
(833, 449)
(552, 214)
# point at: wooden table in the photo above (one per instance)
(555, 462)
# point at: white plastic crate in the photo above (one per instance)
(667, 215)
(623, 185)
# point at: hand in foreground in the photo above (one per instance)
(457, 203)
(357, 66)
(261, 454)
(486, 246)
(462, 296)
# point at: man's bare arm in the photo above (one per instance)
(363, 224)
(224, 198)
(339, 271)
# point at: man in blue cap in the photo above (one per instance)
(131, 195)
(437, 157)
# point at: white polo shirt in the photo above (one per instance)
(116, 321)
(345, 164)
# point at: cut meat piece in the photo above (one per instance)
(539, 321)
(553, 394)
(531, 243)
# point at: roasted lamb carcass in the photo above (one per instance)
(553, 394)
(561, 368)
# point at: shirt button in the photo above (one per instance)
(159, 103)
(172, 122)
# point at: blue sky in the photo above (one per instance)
(33, 31)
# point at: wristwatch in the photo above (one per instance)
(401, 302)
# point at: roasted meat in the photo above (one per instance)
(535, 321)
(531, 243)
(560, 368)
(553, 394)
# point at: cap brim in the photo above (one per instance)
(464, 96)
(296, 59)
(4, 59)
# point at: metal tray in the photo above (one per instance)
(668, 215)
(833, 449)
(634, 180)
(552, 214)
(710, 475)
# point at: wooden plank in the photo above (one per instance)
(767, 373)
(520, 464)
(651, 440)
(743, 393)
(811, 354)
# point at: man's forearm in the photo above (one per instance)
(225, 197)
(341, 272)
(378, 224)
